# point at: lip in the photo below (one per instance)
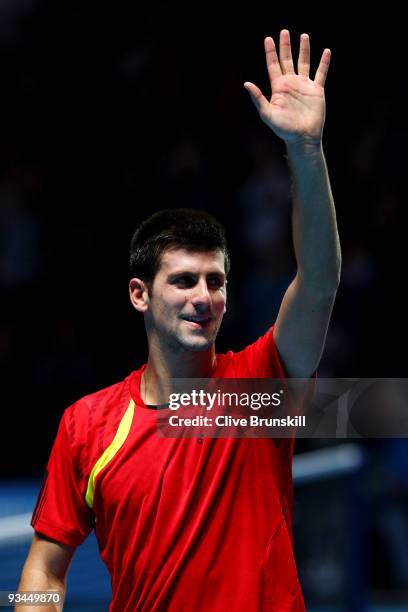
(198, 323)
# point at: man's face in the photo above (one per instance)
(188, 298)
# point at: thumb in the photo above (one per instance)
(257, 96)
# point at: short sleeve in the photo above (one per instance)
(260, 359)
(61, 512)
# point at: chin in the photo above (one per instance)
(196, 345)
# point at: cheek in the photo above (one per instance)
(167, 304)
(160, 308)
(221, 303)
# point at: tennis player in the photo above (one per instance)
(198, 524)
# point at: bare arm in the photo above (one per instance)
(45, 569)
(304, 315)
(296, 113)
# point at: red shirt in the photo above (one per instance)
(182, 523)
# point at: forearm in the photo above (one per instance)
(36, 579)
(315, 235)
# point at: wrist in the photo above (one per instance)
(304, 147)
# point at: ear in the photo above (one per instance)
(139, 295)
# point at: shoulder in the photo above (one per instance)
(259, 359)
(96, 404)
(90, 423)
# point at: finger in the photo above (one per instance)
(303, 66)
(272, 60)
(285, 52)
(257, 97)
(321, 72)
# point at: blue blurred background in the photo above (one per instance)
(112, 112)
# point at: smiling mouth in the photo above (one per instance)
(197, 321)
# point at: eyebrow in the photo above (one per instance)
(174, 275)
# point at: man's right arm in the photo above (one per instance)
(45, 569)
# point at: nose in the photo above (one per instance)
(201, 298)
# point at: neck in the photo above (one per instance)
(163, 365)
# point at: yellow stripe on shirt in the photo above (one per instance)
(110, 451)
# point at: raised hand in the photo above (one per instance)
(296, 110)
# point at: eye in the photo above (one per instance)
(215, 282)
(184, 281)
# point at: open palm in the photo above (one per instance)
(296, 110)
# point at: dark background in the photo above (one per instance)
(112, 112)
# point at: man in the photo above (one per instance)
(183, 523)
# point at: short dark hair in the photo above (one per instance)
(175, 228)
